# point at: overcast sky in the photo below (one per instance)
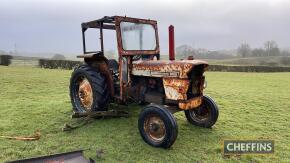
(54, 25)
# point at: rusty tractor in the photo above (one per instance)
(163, 86)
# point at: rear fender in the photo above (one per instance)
(94, 58)
(101, 63)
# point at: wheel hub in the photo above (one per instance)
(201, 113)
(155, 128)
(85, 94)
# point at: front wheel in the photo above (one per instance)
(157, 126)
(205, 115)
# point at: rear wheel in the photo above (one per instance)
(88, 90)
(205, 115)
(157, 126)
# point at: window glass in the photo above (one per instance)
(136, 36)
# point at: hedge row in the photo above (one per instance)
(248, 68)
(58, 64)
(5, 60)
(65, 64)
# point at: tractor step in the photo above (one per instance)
(87, 117)
(98, 114)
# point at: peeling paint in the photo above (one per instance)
(162, 68)
(175, 89)
(191, 103)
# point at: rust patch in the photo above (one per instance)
(175, 89)
(86, 94)
(191, 103)
(163, 68)
(104, 69)
(154, 127)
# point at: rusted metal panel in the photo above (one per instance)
(104, 69)
(175, 89)
(119, 19)
(155, 73)
(125, 76)
(191, 103)
(90, 55)
(68, 157)
(165, 68)
(97, 25)
(109, 20)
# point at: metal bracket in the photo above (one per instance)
(96, 114)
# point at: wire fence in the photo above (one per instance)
(24, 62)
(68, 64)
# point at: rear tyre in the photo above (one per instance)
(157, 126)
(113, 64)
(205, 115)
(88, 90)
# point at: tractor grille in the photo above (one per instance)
(196, 87)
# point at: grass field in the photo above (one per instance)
(252, 106)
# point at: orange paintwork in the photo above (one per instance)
(191, 103)
(161, 68)
(175, 89)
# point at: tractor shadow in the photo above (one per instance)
(206, 139)
(125, 131)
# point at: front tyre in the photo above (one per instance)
(157, 126)
(88, 90)
(205, 115)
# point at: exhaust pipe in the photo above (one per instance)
(171, 43)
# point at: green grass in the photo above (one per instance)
(252, 106)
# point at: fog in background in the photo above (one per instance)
(53, 26)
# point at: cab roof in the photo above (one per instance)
(109, 22)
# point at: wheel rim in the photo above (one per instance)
(85, 93)
(154, 127)
(201, 114)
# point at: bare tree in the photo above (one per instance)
(271, 48)
(58, 57)
(244, 50)
(258, 52)
(285, 53)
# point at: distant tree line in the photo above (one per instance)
(271, 48)
(184, 51)
(58, 64)
(58, 57)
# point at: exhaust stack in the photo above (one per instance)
(171, 43)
